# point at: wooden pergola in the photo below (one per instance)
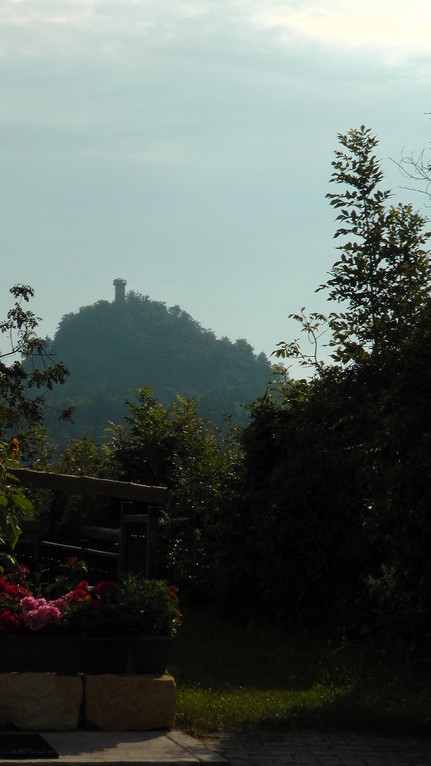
(133, 527)
(87, 485)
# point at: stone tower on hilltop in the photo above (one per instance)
(120, 290)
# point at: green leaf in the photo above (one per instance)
(21, 502)
(4, 518)
(10, 562)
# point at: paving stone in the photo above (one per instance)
(328, 749)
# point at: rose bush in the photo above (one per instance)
(132, 607)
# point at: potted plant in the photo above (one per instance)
(70, 626)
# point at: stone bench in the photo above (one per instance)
(52, 702)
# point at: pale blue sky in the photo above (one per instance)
(185, 146)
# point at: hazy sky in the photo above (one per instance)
(185, 146)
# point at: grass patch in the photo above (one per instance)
(232, 678)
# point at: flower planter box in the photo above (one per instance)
(42, 634)
(150, 654)
(71, 655)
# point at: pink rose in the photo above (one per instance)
(36, 619)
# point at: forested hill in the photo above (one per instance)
(111, 348)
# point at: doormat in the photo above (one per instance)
(19, 745)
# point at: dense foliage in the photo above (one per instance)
(175, 447)
(111, 348)
(337, 468)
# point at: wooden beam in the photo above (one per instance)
(89, 486)
(101, 533)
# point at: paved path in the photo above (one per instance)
(174, 748)
(310, 748)
(128, 748)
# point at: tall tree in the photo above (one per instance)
(26, 367)
(384, 273)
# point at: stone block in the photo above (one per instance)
(40, 701)
(130, 702)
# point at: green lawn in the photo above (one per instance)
(235, 678)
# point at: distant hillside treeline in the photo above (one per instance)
(111, 348)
